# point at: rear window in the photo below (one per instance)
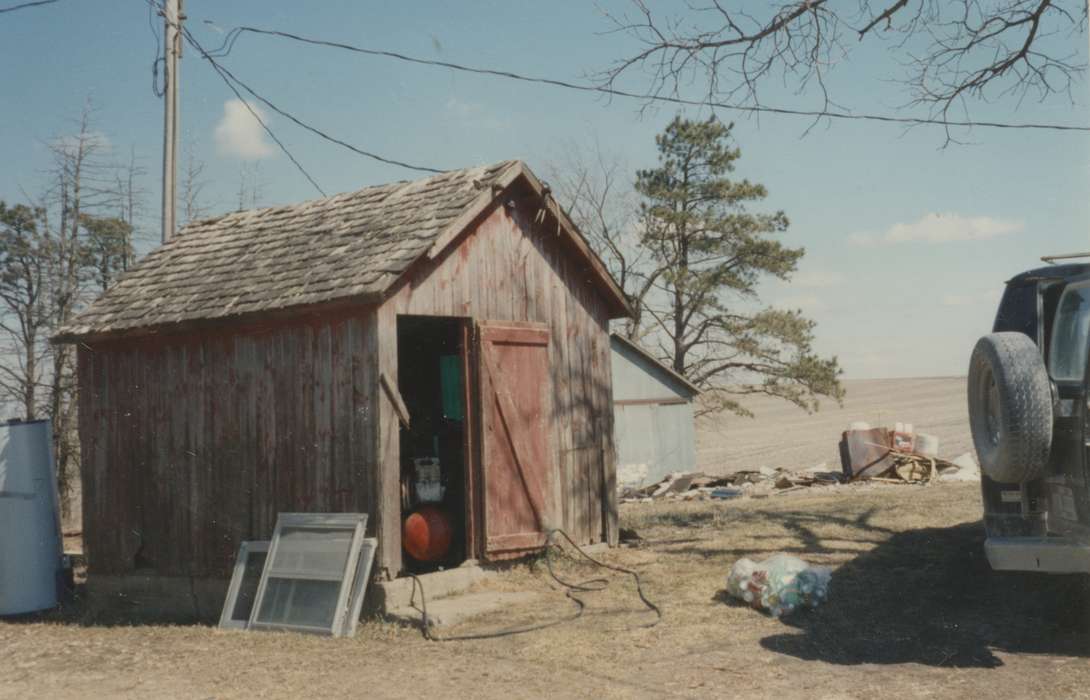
(1067, 352)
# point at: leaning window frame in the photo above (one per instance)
(359, 586)
(235, 587)
(356, 522)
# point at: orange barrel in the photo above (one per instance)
(426, 534)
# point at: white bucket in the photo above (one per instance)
(927, 445)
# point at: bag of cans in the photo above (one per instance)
(780, 584)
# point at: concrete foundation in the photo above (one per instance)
(398, 594)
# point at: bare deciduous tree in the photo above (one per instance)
(250, 186)
(131, 197)
(193, 184)
(24, 318)
(953, 51)
(597, 191)
(81, 182)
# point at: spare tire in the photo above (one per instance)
(1010, 407)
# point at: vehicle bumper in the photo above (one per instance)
(1054, 555)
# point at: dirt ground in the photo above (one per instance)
(784, 436)
(913, 612)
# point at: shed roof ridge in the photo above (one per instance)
(391, 187)
(351, 244)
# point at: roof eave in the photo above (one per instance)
(73, 337)
(676, 376)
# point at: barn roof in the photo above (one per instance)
(355, 245)
(651, 363)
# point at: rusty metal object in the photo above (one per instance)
(866, 453)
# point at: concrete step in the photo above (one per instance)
(398, 594)
(446, 612)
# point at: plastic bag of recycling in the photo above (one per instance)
(780, 584)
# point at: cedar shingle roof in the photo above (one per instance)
(348, 245)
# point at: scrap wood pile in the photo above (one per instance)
(883, 455)
(757, 483)
(898, 455)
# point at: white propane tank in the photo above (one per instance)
(30, 537)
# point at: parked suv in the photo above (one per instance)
(1030, 419)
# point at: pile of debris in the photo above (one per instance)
(899, 455)
(758, 483)
(883, 455)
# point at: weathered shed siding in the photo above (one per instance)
(193, 443)
(209, 406)
(654, 418)
(512, 267)
(654, 440)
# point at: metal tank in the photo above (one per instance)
(30, 532)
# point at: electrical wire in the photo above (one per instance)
(158, 53)
(25, 5)
(235, 33)
(299, 122)
(570, 589)
(229, 80)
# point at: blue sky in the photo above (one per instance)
(907, 242)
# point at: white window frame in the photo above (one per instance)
(359, 586)
(235, 587)
(356, 522)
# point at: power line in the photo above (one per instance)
(158, 52)
(230, 77)
(25, 5)
(235, 33)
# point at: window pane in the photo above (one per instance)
(247, 590)
(1067, 354)
(312, 551)
(296, 602)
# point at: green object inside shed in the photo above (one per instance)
(450, 379)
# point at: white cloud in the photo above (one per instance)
(239, 134)
(942, 228)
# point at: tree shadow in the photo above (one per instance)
(928, 596)
(800, 526)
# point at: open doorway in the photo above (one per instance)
(431, 378)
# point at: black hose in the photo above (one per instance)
(590, 585)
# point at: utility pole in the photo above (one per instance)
(172, 24)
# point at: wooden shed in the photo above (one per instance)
(653, 416)
(263, 362)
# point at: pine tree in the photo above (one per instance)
(709, 255)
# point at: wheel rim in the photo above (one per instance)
(992, 409)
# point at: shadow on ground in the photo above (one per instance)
(929, 597)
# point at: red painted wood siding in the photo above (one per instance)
(192, 444)
(516, 408)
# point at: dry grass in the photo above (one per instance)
(913, 611)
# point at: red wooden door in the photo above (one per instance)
(516, 426)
